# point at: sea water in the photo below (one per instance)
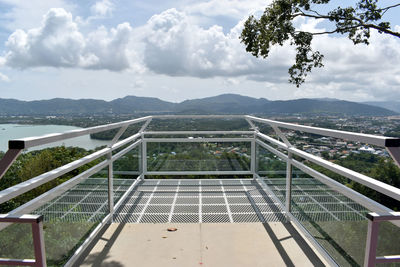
(16, 131)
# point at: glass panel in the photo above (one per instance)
(16, 241)
(388, 241)
(126, 170)
(70, 217)
(336, 222)
(128, 166)
(198, 156)
(198, 125)
(272, 170)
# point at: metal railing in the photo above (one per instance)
(253, 137)
(374, 220)
(38, 240)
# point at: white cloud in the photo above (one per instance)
(109, 49)
(365, 71)
(59, 43)
(102, 8)
(174, 46)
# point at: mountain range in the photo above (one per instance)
(391, 105)
(221, 104)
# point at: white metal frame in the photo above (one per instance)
(38, 240)
(254, 137)
(374, 219)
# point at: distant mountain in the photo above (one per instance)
(391, 105)
(226, 103)
(132, 104)
(231, 103)
(221, 104)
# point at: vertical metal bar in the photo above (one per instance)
(395, 154)
(253, 158)
(289, 174)
(145, 125)
(252, 125)
(144, 157)
(38, 243)
(8, 160)
(110, 184)
(140, 162)
(118, 135)
(281, 135)
(371, 244)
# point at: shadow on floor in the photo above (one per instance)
(307, 250)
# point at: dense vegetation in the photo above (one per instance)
(29, 165)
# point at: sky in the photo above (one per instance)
(176, 50)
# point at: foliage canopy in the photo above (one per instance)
(276, 26)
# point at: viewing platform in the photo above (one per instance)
(230, 197)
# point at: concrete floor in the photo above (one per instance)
(207, 244)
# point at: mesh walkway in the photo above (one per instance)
(201, 201)
(315, 201)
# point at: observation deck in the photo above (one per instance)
(238, 197)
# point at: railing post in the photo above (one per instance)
(289, 174)
(144, 157)
(38, 243)
(253, 158)
(371, 243)
(110, 184)
(8, 159)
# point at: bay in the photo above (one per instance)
(16, 131)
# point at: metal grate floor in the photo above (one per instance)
(198, 201)
(201, 201)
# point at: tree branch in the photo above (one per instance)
(333, 31)
(360, 25)
(376, 27)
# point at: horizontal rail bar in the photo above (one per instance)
(197, 132)
(198, 116)
(29, 142)
(389, 216)
(381, 141)
(198, 173)
(196, 140)
(388, 259)
(25, 218)
(125, 172)
(15, 262)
